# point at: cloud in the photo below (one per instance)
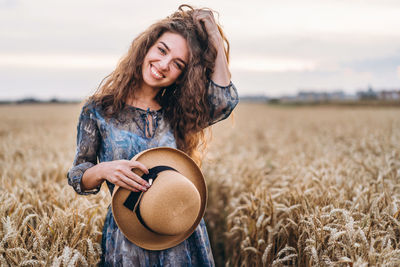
(398, 72)
(271, 64)
(58, 61)
(322, 47)
(277, 46)
(313, 17)
(290, 82)
(377, 65)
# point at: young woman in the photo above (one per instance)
(172, 84)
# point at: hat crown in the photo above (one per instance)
(171, 205)
(129, 218)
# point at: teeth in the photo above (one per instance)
(155, 73)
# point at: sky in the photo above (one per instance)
(63, 49)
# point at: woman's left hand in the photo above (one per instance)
(205, 19)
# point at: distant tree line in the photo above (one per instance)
(32, 100)
(362, 97)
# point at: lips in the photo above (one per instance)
(155, 73)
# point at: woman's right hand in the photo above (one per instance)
(119, 172)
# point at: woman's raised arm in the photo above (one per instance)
(222, 94)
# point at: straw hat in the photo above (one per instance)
(170, 210)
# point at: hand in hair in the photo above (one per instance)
(205, 20)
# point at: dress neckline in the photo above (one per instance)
(145, 110)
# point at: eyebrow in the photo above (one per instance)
(169, 50)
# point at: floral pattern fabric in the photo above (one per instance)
(122, 137)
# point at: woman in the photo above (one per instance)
(172, 84)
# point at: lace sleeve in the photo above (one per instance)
(222, 99)
(86, 151)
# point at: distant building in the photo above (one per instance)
(370, 94)
(254, 98)
(389, 95)
(310, 96)
(286, 99)
(323, 96)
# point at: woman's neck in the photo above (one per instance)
(144, 97)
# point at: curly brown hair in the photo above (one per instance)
(185, 102)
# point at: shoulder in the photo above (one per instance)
(89, 105)
(91, 109)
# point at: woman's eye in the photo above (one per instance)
(179, 66)
(162, 50)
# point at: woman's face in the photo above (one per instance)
(165, 60)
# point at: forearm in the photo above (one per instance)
(92, 177)
(221, 74)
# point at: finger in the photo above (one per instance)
(132, 184)
(206, 23)
(133, 176)
(205, 15)
(126, 186)
(136, 164)
(198, 18)
(201, 28)
(117, 180)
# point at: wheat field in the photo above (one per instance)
(288, 186)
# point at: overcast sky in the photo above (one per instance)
(59, 48)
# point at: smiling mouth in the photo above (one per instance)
(154, 71)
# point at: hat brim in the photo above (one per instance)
(127, 220)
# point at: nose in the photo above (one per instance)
(164, 64)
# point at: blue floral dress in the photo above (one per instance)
(122, 137)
